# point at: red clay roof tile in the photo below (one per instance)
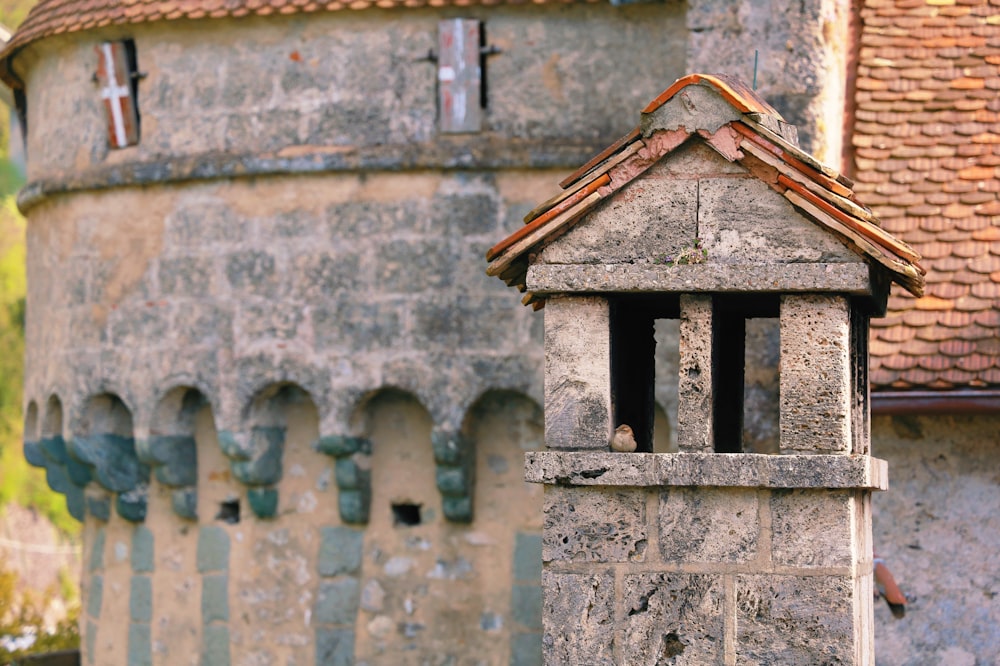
(942, 63)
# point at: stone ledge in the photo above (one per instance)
(721, 470)
(843, 278)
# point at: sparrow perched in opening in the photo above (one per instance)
(623, 440)
(886, 587)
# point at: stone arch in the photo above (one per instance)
(30, 436)
(501, 426)
(170, 449)
(47, 449)
(103, 441)
(256, 451)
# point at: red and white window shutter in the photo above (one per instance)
(115, 75)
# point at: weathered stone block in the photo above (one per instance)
(708, 525)
(577, 373)
(334, 647)
(812, 528)
(724, 470)
(527, 557)
(342, 445)
(186, 276)
(133, 504)
(697, 107)
(263, 501)
(260, 463)
(253, 273)
(350, 475)
(591, 525)
(649, 220)
(269, 320)
(140, 600)
(95, 596)
(215, 645)
(354, 505)
(729, 214)
(453, 481)
(142, 550)
(403, 266)
(526, 606)
(354, 326)
(213, 549)
(526, 650)
(715, 277)
(173, 458)
(184, 502)
(200, 222)
(794, 620)
(140, 645)
(579, 618)
(97, 550)
(673, 619)
(457, 508)
(694, 383)
(113, 458)
(99, 508)
(339, 551)
(337, 602)
(320, 276)
(466, 214)
(815, 374)
(214, 599)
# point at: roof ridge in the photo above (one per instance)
(818, 191)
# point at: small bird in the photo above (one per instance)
(623, 440)
(886, 587)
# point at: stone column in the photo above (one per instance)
(577, 372)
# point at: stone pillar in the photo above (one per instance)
(712, 558)
(695, 404)
(577, 372)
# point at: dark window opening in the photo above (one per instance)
(132, 58)
(729, 363)
(229, 512)
(406, 514)
(633, 368)
(21, 110)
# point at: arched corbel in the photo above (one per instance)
(454, 456)
(255, 459)
(352, 471)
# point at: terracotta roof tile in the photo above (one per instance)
(942, 60)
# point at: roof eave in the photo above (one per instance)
(958, 401)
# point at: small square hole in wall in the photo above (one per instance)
(229, 512)
(405, 513)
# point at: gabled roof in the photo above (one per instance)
(927, 156)
(755, 137)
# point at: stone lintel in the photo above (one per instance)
(720, 470)
(842, 278)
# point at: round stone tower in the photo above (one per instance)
(264, 362)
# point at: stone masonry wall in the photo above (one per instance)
(937, 529)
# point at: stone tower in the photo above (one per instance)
(263, 362)
(709, 213)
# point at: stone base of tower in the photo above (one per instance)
(707, 558)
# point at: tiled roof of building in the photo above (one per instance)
(57, 17)
(758, 140)
(927, 146)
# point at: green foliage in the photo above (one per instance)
(12, 12)
(22, 614)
